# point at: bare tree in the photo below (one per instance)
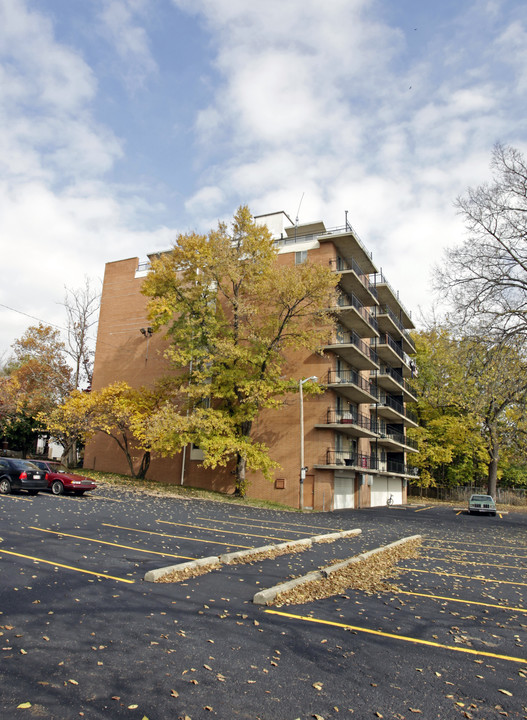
(82, 308)
(485, 277)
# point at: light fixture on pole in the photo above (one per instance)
(302, 467)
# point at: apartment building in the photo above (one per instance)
(346, 447)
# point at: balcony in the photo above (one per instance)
(352, 386)
(352, 314)
(397, 468)
(353, 280)
(392, 380)
(388, 296)
(389, 323)
(394, 441)
(339, 459)
(392, 409)
(354, 351)
(350, 423)
(393, 354)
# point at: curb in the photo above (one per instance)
(265, 597)
(154, 575)
(216, 561)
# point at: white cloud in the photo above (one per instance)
(119, 24)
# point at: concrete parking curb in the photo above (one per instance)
(266, 597)
(155, 575)
(246, 555)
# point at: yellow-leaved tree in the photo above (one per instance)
(232, 313)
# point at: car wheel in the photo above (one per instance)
(32, 492)
(57, 488)
(5, 486)
(79, 493)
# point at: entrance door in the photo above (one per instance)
(344, 493)
(383, 487)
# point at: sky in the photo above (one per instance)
(126, 122)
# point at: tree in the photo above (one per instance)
(469, 389)
(119, 411)
(486, 276)
(230, 357)
(82, 307)
(34, 380)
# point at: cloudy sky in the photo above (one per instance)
(123, 122)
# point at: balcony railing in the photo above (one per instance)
(385, 310)
(342, 264)
(384, 432)
(396, 375)
(334, 416)
(397, 406)
(379, 279)
(352, 377)
(393, 466)
(350, 459)
(345, 300)
(344, 338)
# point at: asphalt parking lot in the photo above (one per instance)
(84, 636)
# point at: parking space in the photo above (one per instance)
(82, 634)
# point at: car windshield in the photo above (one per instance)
(485, 498)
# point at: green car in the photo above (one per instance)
(482, 504)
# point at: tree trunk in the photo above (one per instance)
(145, 464)
(493, 466)
(242, 483)
(241, 480)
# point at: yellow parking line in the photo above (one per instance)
(474, 552)
(465, 542)
(258, 527)
(67, 567)
(465, 602)
(179, 537)
(16, 497)
(466, 577)
(279, 522)
(404, 638)
(227, 532)
(105, 542)
(479, 563)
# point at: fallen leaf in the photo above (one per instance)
(73, 682)
(24, 706)
(174, 693)
(132, 707)
(318, 685)
(505, 692)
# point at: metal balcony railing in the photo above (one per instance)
(400, 468)
(334, 416)
(345, 338)
(397, 406)
(350, 459)
(352, 377)
(345, 300)
(379, 279)
(383, 431)
(385, 310)
(395, 375)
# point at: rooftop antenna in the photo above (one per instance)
(298, 212)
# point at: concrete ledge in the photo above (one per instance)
(154, 575)
(242, 556)
(330, 537)
(245, 555)
(265, 597)
(328, 571)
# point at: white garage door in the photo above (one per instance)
(383, 487)
(344, 495)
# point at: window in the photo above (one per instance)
(300, 257)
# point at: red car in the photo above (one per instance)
(61, 481)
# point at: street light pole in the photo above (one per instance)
(302, 467)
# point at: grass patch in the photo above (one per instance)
(154, 488)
